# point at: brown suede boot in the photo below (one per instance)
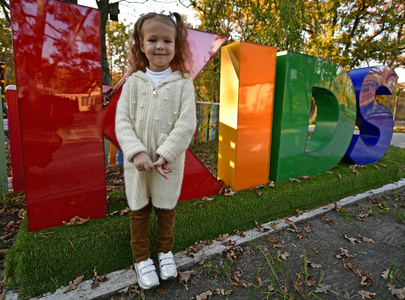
(140, 243)
(165, 234)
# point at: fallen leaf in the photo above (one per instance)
(229, 243)
(400, 293)
(73, 285)
(311, 281)
(291, 223)
(78, 280)
(275, 240)
(205, 198)
(299, 287)
(184, 277)
(230, 192)
(294, 180)
(366, 280)
(367, 240)
(274, 226)
(316, 251)
(327, 221)
(222, 292)
(284, 255)
(222, 237)
(385, 274)
(315, 266)
(305, 177)
(322, 288)
(260, 227)
(344, 253)
(124, 291)
(259, 280)
(203, 257)
(271, 184)
(239, 233)
(280, 245)
(307, 227)
(2, 252)
(76, 221)
(352, 240)
(366, 295)
(204, 296)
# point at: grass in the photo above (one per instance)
(42, 261)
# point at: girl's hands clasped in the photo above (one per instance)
(143, 162)
(161, 167)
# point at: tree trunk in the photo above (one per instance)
(103, 6)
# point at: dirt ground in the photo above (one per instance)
(355, 252)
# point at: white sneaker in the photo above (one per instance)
(167, 266)
(146, 273)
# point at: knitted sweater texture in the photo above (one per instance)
(160, 122)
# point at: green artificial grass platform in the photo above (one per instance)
(42, 261)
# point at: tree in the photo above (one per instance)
(356, 33)
(118, 35)
(6, 50)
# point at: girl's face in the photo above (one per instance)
(158, 43)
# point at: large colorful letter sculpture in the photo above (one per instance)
(58, 68)
(298, 77)
(374, 120)
(58, 72)
(246, 113)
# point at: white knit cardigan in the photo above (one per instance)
(161, 122)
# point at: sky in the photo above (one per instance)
(130, 11)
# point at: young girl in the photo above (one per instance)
(155, 122)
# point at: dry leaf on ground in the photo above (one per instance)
(400, 293)
(327, 221)
(322, 288)
(204, 296)
(385, 274)
(184, 277)
(205, 198)
(352, 240)
(344, 254)
(260, 227)
(73, 285)
(307, 227)
(366, 295)
(366, 280)
(366, 239)
(76, 221)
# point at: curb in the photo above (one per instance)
(119, 280)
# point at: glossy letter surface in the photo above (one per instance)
(298, 78)
(246, 113)
(374, 120)
(58, 72)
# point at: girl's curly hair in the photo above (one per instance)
(182, 55)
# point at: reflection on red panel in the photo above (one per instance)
(58, 72)
(198, 181)
(15, 139)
